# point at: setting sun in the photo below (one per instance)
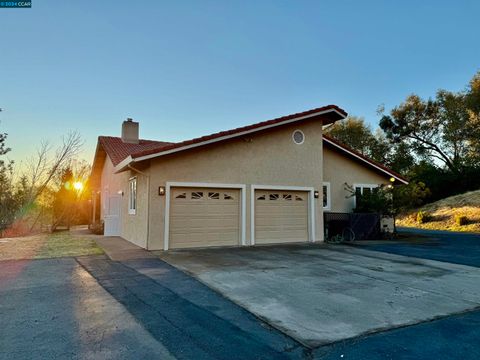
(77, 185)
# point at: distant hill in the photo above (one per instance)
(444, 211)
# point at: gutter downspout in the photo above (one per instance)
(148, 199)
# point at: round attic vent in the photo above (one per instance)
(298, 137)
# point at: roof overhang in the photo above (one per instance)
(337, 115)
(97, 166)
(382, 169)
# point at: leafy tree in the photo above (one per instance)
(358, 135)
(443, 129)
(401, 159)
(7, 199)
(472, 102)
(352, 132)
(406, 197)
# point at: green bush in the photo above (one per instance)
(423, 217)
(461, 220)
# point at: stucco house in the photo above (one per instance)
(264, 183)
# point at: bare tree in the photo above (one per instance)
(44, 167)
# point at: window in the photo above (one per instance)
(326, 196)
(197, 195)
(214, 195)
(287, 196)
(298, 137)
(132, 196)
(227, 197)
(261, 197)
(274, 196)
(363, 189)
(181, 196)
(298, 198)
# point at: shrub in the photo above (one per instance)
(423, 217)
(461, 220)
(97, 227)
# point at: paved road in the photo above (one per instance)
(54, 309)
(96, 308)
(458, 248)
(455, 337)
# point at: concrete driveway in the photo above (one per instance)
(323, 294)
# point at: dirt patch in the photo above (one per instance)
(443, 218)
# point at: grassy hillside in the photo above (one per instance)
(443, 213)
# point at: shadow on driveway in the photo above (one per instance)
(192, 322)
(53, 309)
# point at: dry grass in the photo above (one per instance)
(444, 212)
(41, 246)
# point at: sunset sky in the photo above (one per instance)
(189, 68)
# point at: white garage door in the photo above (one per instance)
(281, 216)
(204, 217)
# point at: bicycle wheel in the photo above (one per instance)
(348, 235)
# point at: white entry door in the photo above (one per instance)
(112, 216)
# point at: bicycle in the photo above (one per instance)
(347, 236)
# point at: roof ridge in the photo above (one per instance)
(119, 138)
(240, 129)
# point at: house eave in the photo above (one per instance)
(122, 166)
(369, 163)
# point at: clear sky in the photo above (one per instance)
(190, 68)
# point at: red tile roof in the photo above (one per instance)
(118, 150)
(342, 114)
(372, 162)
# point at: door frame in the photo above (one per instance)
(311, 207)
(243, 207)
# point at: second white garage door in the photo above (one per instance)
(202, 217)
(281, 216)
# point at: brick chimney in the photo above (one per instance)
(130, 131)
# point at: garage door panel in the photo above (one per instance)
(281, 216)
(204, 217)
(281, 220)
(206, 226)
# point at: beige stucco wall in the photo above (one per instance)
(132, 227)
(340, 169)
(110, 184)
(135, 226)
(269, 158)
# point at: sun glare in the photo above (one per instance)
(78, 186)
